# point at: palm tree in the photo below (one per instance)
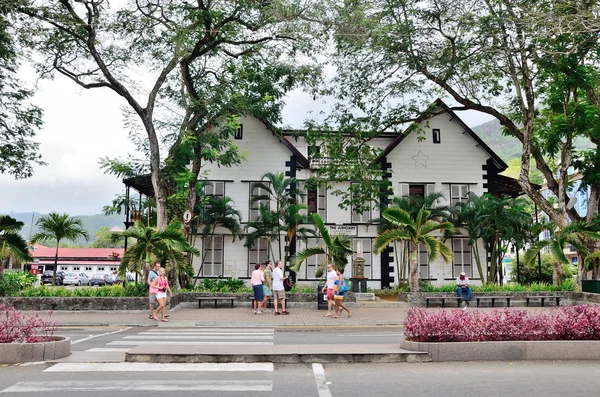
(12, 245)
(280, 191)
(415, 230)
(291, 221)
(58, 227)
(266, 226)
(412, 204)
(219, 212)
(337, 248)
(573, 235)
(167, 246)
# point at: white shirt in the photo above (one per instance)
(277, 279)
(462, 282)
(331, 277)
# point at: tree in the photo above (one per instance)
(337, 248)
(500, 58)
(208, 62)
(103, 239)
(265, 226)
(165, 246)
(280, 192)
(412, 204)
(12, 245)
(415, 230)
(219, 212)
(58, 227)
(19, 119)
(558, 241)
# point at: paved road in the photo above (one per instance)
(530, 379)
(91, 344)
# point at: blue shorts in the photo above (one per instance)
(258, 292)
(267, 290)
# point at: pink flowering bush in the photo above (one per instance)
(565, 323)
(19, 327)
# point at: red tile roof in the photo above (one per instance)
(41, 251)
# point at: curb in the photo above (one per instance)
(507, 350)
(284, 354)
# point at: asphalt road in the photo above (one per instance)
(529, 379)
(86, 338)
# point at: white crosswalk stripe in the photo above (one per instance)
(200, 336)
(150, 386)
(161, 367)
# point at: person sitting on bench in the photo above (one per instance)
(463, 289)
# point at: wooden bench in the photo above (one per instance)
(215, 298)
(443, 299)
(543, 298)
(493, 299)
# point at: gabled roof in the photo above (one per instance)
(500, 164)
(302, 160)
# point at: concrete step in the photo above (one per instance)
(284, 354)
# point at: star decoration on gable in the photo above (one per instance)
(420, 159)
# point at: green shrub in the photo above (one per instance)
(530, 273)
(221, 285)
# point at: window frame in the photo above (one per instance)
(256, 210)
(212, 185)
(213, 253)
(436, 135)
(258, 259)
(468, 269)
(239, 133)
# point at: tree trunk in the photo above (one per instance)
(55, 264)
(557, 274)
(413, 281)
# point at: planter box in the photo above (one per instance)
(507, 351)
(12, 353)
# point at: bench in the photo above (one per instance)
(544, 297)
(443, 299)
(215, 298)
(493, 299)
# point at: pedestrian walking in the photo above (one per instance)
(152, 275)
(340, 289)
(278, 288)
(161, 284)
(257, 286)
(267, 284)
(331, 277)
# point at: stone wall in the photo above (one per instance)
(132, 303)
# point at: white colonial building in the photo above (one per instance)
(452, 160)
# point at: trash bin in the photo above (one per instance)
(321, 298)
(590, 286)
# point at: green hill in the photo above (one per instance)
(91, 223)
(507, 147)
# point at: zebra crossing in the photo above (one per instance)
(198, 336)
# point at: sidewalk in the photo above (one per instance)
(243, 316)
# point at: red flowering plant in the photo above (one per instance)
(565, 323)
(19, 327)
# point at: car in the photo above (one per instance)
(76, 279)
(129, 279)
(48, 275)
(101, 279)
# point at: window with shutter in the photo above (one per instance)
(213, 254)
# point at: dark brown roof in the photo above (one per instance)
(500, 185)
(141, 183)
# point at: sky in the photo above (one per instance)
(80, 127)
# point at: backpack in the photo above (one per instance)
(287, 284)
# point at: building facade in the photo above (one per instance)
(452, 160)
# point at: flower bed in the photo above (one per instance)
(565, 323)
(29, 337)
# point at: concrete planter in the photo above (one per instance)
(507, 351)
(12, 353)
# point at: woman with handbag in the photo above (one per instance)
(339, 289)
(161, 285)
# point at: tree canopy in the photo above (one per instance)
(19, 119)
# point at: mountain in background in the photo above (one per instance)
(91, 223)
(508, 147)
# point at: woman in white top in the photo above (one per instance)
(257, 279)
